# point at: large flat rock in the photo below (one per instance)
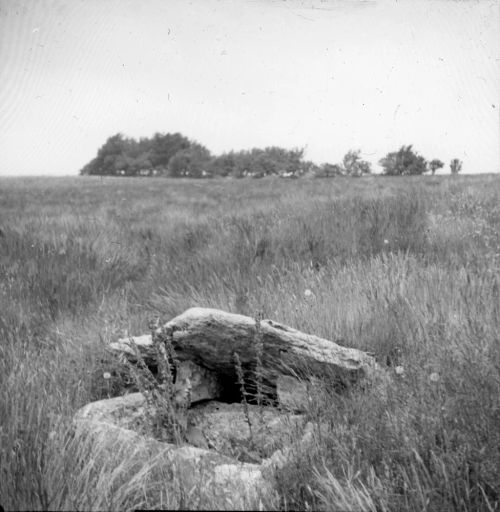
(210, 338)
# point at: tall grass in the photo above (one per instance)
(406, 269)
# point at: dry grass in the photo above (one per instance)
(408, 269)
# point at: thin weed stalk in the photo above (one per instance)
(259, 370)
(244, 393)
(159, 393)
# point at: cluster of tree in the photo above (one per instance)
(128, 157)
(407, 162)
(175, 156)
(258, 163)
(352, 165)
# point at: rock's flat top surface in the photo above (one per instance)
(226, 430)
(211, 338)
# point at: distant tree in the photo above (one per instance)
(353, 165)
(140, 164)
(165, 146)
(435, 164)
(193, 162)
(109, 159)
(129, 157)
(175, 155)
(308, 167)
(90, 168)
(280, 160)
(261, 164)
(257, 163)
(403, 162)
(327, 170)
(243, 166)
(222, 165)
(455, 166)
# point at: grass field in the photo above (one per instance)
(405, 268)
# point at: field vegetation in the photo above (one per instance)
(407, 268)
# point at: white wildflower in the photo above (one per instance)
(399, 370)
(434, 377)
(308, 293)
(386, 241)
(106, 375)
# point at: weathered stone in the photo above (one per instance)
(233, 448)
(225, 428)
(210, 338)
(292, 393)
(144, 345)
(282, 456)
(114, 421)
(202, 383)
(128, 407)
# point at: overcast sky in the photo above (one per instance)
(328, 75)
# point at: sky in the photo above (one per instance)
(324, 75)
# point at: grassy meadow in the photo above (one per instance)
(405, 268)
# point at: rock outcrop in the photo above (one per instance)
(210, 338)
(223, 441)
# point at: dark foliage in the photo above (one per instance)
(455, 166)
(404, 162)
(435, 164)
(257, 163)
(176, 156)
(120, 156)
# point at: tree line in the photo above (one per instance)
(174, 155)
